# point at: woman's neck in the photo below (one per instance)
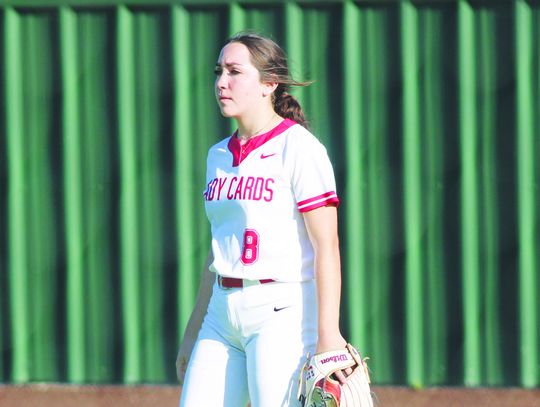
(253, 128)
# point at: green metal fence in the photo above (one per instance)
(431, 114)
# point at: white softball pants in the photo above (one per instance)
(252, 345)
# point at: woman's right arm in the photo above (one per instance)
(195, 321)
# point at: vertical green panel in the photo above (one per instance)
(87, 131)
(383, 195)
(131, 289)
(42, 147)
(496, 189)
(72, 187)
(154, 172)
(488, 196)
(148, 136)
(18, 250)
(469, 198)
(528, 144)
(37, 240)
(185, 191)
(266, 19)
(321, 103)
(436, 149)
(293, 43)
(147, 155)
(97, 141)
(354, 267)
(237, 20)
(4, 291)
(433, 267)
(412, 194)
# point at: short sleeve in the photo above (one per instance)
(312, 174)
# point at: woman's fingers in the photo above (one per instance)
(341, 375)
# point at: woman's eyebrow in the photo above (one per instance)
(229, 64)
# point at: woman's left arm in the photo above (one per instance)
(322, 227)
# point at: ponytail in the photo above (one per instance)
(288, 107)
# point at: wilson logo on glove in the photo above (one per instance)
(318, 387)
(337, 358)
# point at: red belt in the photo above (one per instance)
(230, 282)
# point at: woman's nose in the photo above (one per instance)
(221, 81)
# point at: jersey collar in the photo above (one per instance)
(240, 152)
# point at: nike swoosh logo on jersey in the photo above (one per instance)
(263, 156)
(276, 309)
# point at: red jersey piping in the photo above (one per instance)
(240, 152)
(328, 198)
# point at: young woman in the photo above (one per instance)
(271, 286)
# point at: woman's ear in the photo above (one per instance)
(269, 88)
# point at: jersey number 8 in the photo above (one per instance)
(250, 247)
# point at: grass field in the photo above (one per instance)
(49, 395)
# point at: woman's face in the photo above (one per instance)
(238, 87)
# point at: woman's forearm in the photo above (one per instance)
(321, 224)
(203, 298)
(328, 279)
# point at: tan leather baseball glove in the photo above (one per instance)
(319, 388)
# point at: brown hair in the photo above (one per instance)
(271, 62)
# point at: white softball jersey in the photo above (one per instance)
(254, 199)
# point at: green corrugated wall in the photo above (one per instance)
(431, 114)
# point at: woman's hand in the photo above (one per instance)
(182, 359)
(330, 342)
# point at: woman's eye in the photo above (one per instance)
(218, 71)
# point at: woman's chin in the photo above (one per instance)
(227, 113)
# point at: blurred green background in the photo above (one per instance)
(430, 111)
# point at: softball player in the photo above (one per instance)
(271, 289)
